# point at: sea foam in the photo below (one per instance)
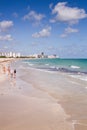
(74, 67)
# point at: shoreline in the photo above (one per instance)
(70, 100)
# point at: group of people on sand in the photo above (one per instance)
(8, 70)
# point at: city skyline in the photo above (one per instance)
(51, 26)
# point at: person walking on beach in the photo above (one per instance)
(9, 70)
(4, 69)
(14, 73)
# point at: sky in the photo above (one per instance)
(50, 26)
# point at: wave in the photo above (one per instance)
(47, 64)
(52, 67)
(30, 64)
(74, 67)
(81, 77)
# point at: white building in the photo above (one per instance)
(10, 54)
(18, 54)
(14, 54)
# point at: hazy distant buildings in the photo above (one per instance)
(10, 54)
(18, 55)
(42, 55)
(53, 56)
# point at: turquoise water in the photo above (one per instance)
(59, 64)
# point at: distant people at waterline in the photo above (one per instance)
(10, 71)
(13, 73)
(4, 69)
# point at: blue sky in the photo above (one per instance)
(49, 26)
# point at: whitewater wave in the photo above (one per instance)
(30, 64)
(47, 64)
(81, 77)
(74, 67)
(52, 67)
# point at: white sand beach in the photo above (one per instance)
(32, 101)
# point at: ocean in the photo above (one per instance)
(76, 68)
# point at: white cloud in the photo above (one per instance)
(43, 33)
(64, 13)
(5, 25)
(33, 16)
(52, 20)
(68, 31)
(7, 37)
(71, 30)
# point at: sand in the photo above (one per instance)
(24, 107)
(35, 100)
